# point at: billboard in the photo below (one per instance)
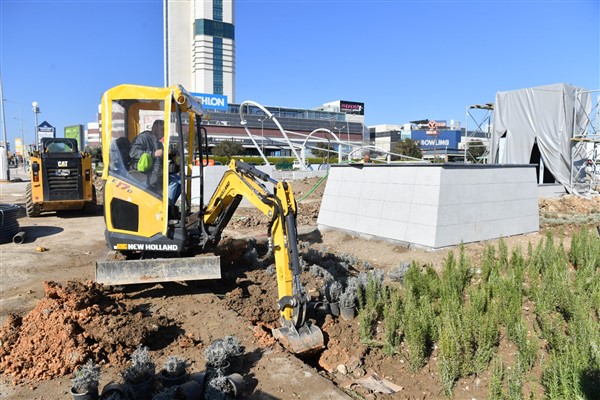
(45, 130)
(19, 150)
(352, 107)
(445, 139)
(75, 132)
(212, 101)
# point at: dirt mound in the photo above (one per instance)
(70, 324)
(99, 187)
(570, 204)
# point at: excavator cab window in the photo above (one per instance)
(130, 120)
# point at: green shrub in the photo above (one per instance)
(495, 388)
(393, 314)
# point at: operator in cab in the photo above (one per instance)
(146, 155)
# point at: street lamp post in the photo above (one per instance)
(339, 135)
(36, 111)
(262, 133)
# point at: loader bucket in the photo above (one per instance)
(306, 340)
(158, 270)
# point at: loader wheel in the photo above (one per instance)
(32, 210)
(92, 206)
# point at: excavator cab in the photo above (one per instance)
(161, 240)
(139, 218)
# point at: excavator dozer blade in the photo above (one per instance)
(308, 339)
(158, 270)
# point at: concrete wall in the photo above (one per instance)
(212, 177)
(433, 205)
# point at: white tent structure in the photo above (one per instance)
(546, 116)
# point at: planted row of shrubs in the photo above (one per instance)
(546, 302)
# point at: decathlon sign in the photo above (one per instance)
(212, 101)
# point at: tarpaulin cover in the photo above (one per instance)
(545, 114)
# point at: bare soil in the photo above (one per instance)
(53, 317)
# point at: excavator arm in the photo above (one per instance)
(239, 182)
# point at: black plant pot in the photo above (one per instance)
(236, 362)
(113, 387)
(89, 395)
(224, 368)
(192, 390)
(142, 390)
(168, 380)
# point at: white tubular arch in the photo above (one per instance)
(271, 117)
(333, 134)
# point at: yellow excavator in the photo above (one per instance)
(159, 240)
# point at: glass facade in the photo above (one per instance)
(217, 65)
(218, 10)
(212, 28)
(291, 118)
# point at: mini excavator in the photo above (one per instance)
(159, 241)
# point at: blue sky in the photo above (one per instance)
(405, 60)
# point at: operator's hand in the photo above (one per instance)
(158, 153)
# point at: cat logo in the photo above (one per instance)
(63, 163)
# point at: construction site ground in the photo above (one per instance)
(53, 316)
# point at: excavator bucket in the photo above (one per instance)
(306, 340)
(158, 270)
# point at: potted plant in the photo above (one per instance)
(139, 377)
(234, 351)
(348, 301)
(174, 371)
(333, 290)
(114, 391)
(215, 356)
(224, 387)
(84, 385)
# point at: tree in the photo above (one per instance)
(408, 148)
(475, 150)
(95, 151)
(324, 154)
(228, 149)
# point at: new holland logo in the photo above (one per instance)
(63, 163)
(146, 247)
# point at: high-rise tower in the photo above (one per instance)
(199, 46)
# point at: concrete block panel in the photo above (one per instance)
(399, 192)
(395, 212)
(373, 190)
(428, 175)
(370, 208)
(432, 205)
(426, 195)
(405, 175)
(394, 231)
(421, 235)
(422, 214)
(368, 225)
(380, 174)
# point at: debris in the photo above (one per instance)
(375, 383)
